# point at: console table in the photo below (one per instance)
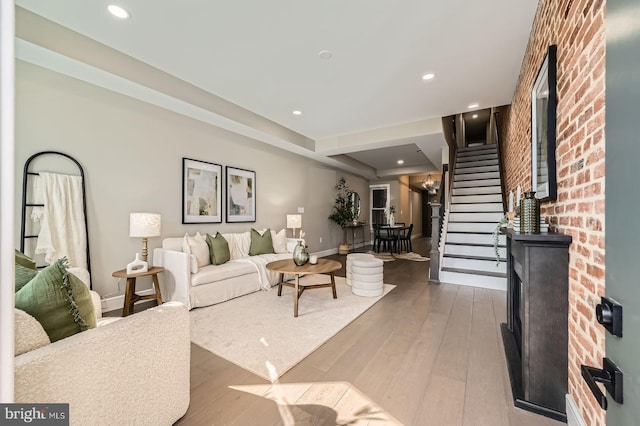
(536, 333)
(363, 226)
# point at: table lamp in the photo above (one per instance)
(294, 221)
(144, 225)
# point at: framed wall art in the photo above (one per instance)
(543, 129)
(241, 195)
(201, 192)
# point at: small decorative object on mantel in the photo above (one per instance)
(504, 222)
(137, 266)
(530, 214)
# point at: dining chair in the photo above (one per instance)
(384, 238)
(405, 240)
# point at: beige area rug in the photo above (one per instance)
(259, 333)
(388, 257)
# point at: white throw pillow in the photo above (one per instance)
(29, 334)
(198, 247)
(279, 240)
(239, 244)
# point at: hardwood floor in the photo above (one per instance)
(426, 354)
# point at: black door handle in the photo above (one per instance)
(610, 375)
(609, 314)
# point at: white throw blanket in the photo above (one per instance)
(62, 222)
(266, 278)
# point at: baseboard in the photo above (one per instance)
(117, 302)
(573, 414)
(324, 253)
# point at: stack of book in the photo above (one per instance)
(544, 226)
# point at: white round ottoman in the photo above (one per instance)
(350, 258)
(367, 277)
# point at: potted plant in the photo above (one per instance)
(343, 212)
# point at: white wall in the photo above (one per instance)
(132, 155)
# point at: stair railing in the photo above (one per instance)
(500, 159)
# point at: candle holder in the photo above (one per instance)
(510, 216)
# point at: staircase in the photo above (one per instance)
(476, 208)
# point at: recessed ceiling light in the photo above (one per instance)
(297, 112)
(400, 161)
(474, 105)
(325, 54)
(474, 116)
(118, 11)
(428, 76)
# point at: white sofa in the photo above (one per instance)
(132, 370)
(212, 284)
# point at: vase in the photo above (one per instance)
(137, 266)
(530, 214)
(300, 255)
(392, 219)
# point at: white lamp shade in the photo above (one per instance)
(145, 225)
(294, 221)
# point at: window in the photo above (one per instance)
(379, 197)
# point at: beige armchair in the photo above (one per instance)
(131, 371)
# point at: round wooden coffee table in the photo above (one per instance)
(287, 266)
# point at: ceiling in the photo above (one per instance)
(362, 109)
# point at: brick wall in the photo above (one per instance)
(577, 27)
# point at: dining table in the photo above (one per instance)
(394, 232)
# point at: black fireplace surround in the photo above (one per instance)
(536, 333)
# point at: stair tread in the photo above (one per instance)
(474, 244)
(474, 272)
(472, 221)
(471, 257)
(475, 158)
(476, 194)
(488, 147)
(470, 232)
(497, 208)
(465, 170)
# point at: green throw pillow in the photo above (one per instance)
(23, 276)
(260, 244)
(58, 300)
(24, 260)
(218, 249)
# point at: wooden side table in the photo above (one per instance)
(130, 296)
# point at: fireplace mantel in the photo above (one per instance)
(536, 333)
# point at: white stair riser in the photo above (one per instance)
(474, 183)
(478, 169)
(471, 227)
(474, 264)
(479, 157)
(482, 281)
(475, 251)
(471, 151)
(477, 163)
(493, 217)
(477, 190)
(483, 207)
(477, 176)
(475, 238)
(487, 198)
